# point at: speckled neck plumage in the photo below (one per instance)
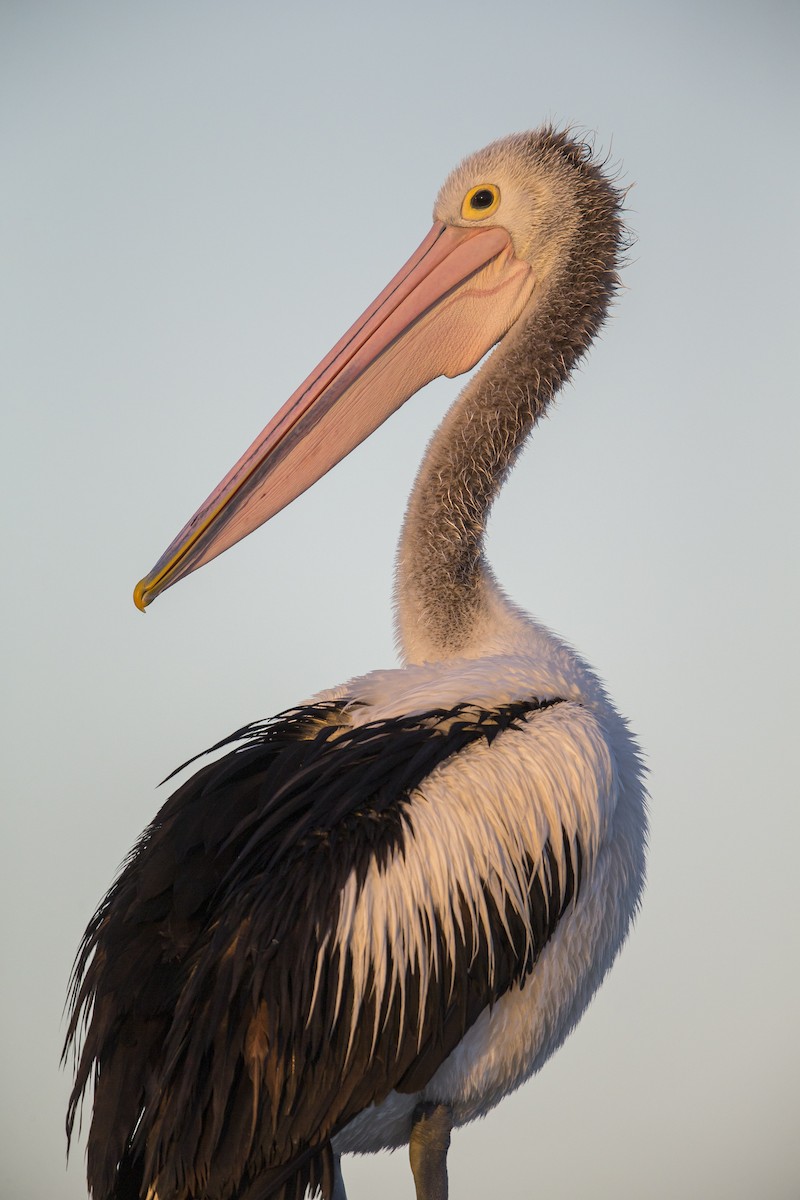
(445, 588)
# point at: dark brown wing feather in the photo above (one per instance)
(215, 1074)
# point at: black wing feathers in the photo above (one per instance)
(217, 1009)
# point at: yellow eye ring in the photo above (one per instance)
(480, 202)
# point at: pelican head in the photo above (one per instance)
(505, 223)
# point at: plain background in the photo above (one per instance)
(196, 201)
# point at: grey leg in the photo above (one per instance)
(338, 1182)
(427, 1148)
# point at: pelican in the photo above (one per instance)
(379, 912)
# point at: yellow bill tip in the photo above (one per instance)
(140, 597)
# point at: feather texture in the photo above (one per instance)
(238, 1017)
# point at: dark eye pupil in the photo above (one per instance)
(482, 199)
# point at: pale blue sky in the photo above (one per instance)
(197, 199)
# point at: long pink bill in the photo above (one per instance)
(454, 298)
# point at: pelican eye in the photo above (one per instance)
(480, 202)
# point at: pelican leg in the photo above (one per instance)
(427, 1149)
(338, 1180)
